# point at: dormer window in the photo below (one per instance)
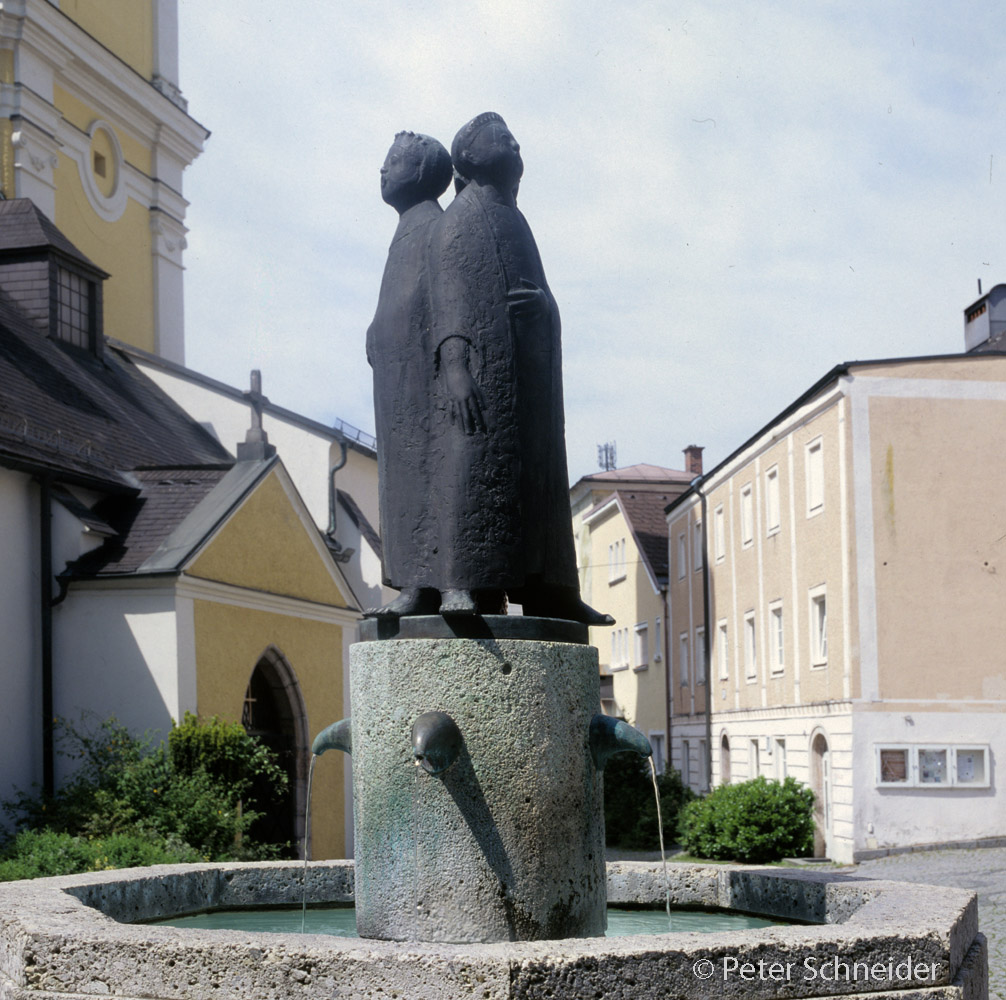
(76, 313)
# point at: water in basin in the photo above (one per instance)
(341, 921)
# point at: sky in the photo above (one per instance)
(729, 199)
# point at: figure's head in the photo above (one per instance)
(417, 167)
(486, 151)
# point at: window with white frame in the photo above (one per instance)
(815, 476)
(747, 515)
(616, 561)
(642, 637)
(657, 745)
(924, 765)
(780, 759)
(703, 766)
(719, 534)
(818, 627)
(776, 638)
(620, 649)
(722, 651)
(683, 664)
(682, 556)
(700, 656)
(658, 641)
(750, 647)
(686, 762)
(772, 517)
(697, 545)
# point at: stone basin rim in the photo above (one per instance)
(854, 916)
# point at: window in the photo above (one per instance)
(700, 656)
(747, 516)
(658, 644)
(750, 647)
(657, 745)
(703, 766)
(777, 648)
(620, 649)
(642, 646)
(815, 477)
(818, 627)
(616, 561)
(75, 319)
(932, 766)
(682, 556)
(683, 664)
(722, 651)
(697, 545)
(686, 762)
(719, 534)
(772, 500)
(754, 765)
(780, 760)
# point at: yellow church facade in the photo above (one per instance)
(93, 129)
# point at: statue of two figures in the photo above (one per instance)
(465, 348)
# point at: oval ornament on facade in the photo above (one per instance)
(101, 172)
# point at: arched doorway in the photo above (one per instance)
(820, 782)
(274, 712)
(724, 760)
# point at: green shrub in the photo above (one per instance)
(39, 853)
(755, 821)
(189, 797)
(630, 807)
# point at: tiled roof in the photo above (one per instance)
(642, 473)
(80, 416)
(24, 227)
(358, 518)
(144, 521)
(644, 510)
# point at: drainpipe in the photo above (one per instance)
(46, 605)
(707, 614)
(331, 488)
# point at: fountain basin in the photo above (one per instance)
(71, 937)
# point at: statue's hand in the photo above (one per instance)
(466, 406)
(528, 301)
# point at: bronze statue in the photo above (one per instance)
(496, 523)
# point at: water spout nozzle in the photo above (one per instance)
(436, 742)
(609, 735)
(337, 736)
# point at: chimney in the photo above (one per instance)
(693, 459)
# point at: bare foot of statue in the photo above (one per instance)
(458, 602)
(562, 602)
(411, 601)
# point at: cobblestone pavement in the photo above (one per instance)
(983, 870)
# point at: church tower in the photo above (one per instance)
(94, 130)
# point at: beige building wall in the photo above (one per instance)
(633, 651)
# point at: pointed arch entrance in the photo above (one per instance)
(820, 782)
(724, 759)
(274, 711)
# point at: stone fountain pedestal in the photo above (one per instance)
(508, 842)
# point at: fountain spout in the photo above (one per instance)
(436, 742)
(337, 736)
(609, 735)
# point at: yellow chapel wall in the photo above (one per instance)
(123, 247)
(229, 642)
(125, 27)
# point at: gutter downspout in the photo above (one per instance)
(46, 605)
(707, 614)
(343, 458)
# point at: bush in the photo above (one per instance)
(130, 802)
(630, 808)
(755, 821)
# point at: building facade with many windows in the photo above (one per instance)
(833, 606)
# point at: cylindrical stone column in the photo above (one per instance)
(508, 842)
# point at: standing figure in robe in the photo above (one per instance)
(416, 172)
(497, 438)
